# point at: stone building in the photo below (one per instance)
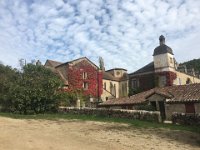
(163, 71)
(167, 100)
(80, 74)
(95, 81)
(115, 83)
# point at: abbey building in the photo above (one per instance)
(163, 71)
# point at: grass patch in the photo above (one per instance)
(134, 123)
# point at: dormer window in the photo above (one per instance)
(84, 75)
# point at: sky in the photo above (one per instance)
(123, 32)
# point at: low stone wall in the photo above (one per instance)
(186, 119)
(116, 113)
(171, 108)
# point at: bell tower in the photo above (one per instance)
(163, 57)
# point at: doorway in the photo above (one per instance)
(162, 110)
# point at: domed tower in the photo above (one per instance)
(163, 57)
(164, 64)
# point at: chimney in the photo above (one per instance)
(162, 40)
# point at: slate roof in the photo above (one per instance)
(162, 49)
(54, 63)
(78, 60)
(109, 76)
(173, 94)
(148, 68)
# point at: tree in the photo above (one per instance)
(195, 63)
(134, 91)
(7, 78)
(34, 90)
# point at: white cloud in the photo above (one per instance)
(123, 32)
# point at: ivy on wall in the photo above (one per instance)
(76, 79)
(170, 77)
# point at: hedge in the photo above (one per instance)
(116, 113)
(186, 119)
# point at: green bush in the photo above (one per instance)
(33, 90)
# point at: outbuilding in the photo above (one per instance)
(167, 100)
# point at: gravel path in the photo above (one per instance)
(19, 134)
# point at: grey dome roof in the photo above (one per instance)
(162, 49)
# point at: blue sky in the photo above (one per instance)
(123, 32)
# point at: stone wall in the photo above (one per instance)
(115, 113)
(162, 62)
(197, 107)
(107, 92)
(178, 108)
(186, 119)
(182, 78)
(171, 108)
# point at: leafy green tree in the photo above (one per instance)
(8, 76)
(134, 91)
(34, 90)
(195, 63)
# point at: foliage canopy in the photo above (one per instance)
(33, 90)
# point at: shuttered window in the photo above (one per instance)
(189, 108)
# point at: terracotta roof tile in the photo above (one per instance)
(178, 93)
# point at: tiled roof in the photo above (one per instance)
(178, 93)
(109, 76)
(148, 68)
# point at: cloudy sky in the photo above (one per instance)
(123, 32)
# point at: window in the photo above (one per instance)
(111, 87)
(189, 108)
(134, 83)
(84, 75)
(105, 85)
(85, 85)
(179, 81)
(114, 90)
(124, 89)
(118, 73)
(171, 60)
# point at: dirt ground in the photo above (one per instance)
(18, 134)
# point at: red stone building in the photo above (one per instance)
(80, 74)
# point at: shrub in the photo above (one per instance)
(34, 90)
(186, 119)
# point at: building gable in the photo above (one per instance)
(156, 97)
(83, 60)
